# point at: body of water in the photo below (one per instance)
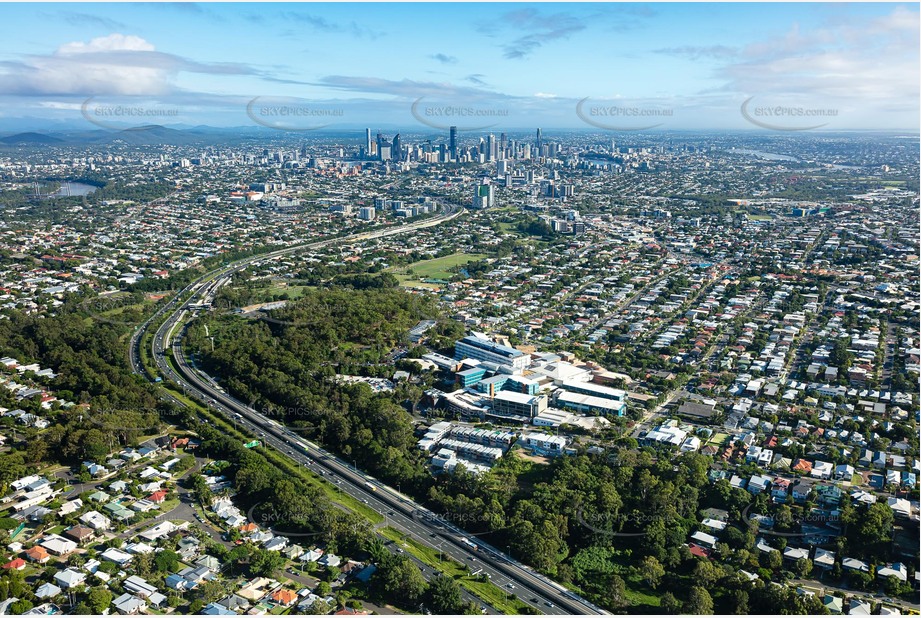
(71, 189)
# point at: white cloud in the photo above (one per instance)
(113, 42)
(116, 64)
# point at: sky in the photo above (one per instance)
(608, 66)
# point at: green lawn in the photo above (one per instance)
(719, 439)
(412, 281)
(438, 268)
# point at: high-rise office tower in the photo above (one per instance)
(539, 141)
(491, 148)
(368, 142)
(484, 196)
(397, 148)
(452, 143)
(503, 145)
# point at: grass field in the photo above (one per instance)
(438, 268)
(752, 217)
(719, 438)
(412, 281)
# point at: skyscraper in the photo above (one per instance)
(452, 143)
(397, 148)
(491, 148)
(484, 196)
(368, 142)
(540, 142)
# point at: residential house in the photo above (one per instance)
(859, 607)
(823, 558)
(822, 470)
(128, 604)
(896, 569)
(795, 553)
(779, 489)
(853, 564)
(802, 490)
(284, 597)
(47, 591)
(759, 483)
(139, 586)
(69, 578)
(37, 554)
(834, 605)
(58, 545)
(80, 534)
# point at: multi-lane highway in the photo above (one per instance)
(400, 512)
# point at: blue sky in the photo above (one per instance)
(680, 66)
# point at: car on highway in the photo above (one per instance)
(548, 603)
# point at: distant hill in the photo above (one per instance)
(29, 138)
(151, 135)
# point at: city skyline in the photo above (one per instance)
(608, 67)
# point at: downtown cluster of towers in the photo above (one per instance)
(490, 148)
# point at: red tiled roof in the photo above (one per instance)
(699, 551)
(16, 564)
(284, 596)
(37, 553)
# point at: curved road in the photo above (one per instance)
(400, 512)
